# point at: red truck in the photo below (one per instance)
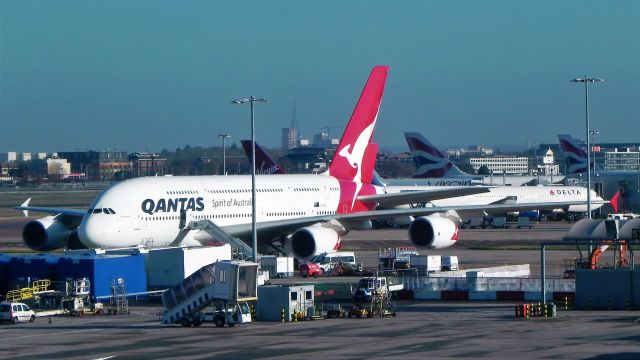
(310, 270)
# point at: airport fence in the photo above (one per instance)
(417, 283)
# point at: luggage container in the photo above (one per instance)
(277, 266)
(500, 222)
(524, 221)
(449, 263)
(426, 263)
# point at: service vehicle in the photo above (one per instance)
(311, 270)
(328, 261)
(372, 286)
(15, 312)
(225, 314)
(336, 311)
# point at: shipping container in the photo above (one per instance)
(102, 270)
(168, 266)
(280, 302)
(426, 263)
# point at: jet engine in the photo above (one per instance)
(313, 240)
(46, 234)
(433, 232)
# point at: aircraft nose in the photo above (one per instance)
(92, 232)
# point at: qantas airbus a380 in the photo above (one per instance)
(304, 213)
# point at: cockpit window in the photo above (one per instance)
(97, 211)
(111, 211)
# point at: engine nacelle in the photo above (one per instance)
(402, 220)
(313, 240)
(45, 234)
(433, 232)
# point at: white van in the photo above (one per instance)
(15, 312)
(328, 260)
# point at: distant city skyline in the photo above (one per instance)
(153, 75)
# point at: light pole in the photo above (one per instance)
(224, 137)
(586, 80)
(593, 134)
(254, 235)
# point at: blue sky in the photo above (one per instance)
(146, 75)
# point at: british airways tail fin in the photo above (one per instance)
(575, 156)
(355, 157)
(430, 162)
(265, 164)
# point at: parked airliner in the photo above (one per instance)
(308, 213)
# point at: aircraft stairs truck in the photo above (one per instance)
(229, 285)
(240, 249)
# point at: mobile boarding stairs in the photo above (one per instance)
(221, 282)
(188, 224)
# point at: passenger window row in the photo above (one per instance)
(243, 191)
(197, 217)
(295, 213)
(306, 189)
(183, 192)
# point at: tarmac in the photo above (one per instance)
(422, 329)
(435, 330)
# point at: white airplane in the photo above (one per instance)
(434, 166)
(310, 212)
(433, 162)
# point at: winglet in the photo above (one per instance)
(26, 205)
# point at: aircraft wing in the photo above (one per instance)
(68, 212)
(390, 200)
(461, 210)
(286, 227)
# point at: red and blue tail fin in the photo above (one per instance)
(354, 159)
(575, 156)
(265, 164)
(430, 162)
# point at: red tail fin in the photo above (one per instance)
(347, 163)
(615, 201)
(369, 163)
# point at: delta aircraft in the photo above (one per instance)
(433, 163)
(305, 213)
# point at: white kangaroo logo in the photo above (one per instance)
(354, 157)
